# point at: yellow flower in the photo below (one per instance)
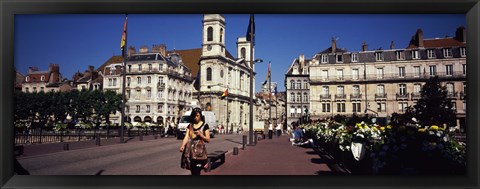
(434, 127)
(389, 127)
(382, 128)
(421, 130)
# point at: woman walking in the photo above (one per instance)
(197, 133)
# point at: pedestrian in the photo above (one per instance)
(222, 130)
(270, 130)
(197, 131)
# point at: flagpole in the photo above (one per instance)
(123, 82)
(250, 128)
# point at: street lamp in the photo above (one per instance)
(250, 128)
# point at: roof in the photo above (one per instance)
(329, 50)
(190, 58)
(438, 43)
(113, 59)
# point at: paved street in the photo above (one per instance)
(149, 157)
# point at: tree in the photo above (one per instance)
(434, 107)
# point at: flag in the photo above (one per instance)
(123, 43)
(251, 30)
(225, 93)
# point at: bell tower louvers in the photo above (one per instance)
(213, 40)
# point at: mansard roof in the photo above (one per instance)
(438, 43)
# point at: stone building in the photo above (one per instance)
(383, 81)
(47, 81)
(297, 86)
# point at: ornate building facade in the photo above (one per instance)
(297, 86)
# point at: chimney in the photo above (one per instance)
(460, 34)
(419, 38)
(334, 45)
(55, 68)
(144, 49)
(364, 46)
(32, 69)
(392, 45)
(163, 49)
(131, 51)
(91, 68)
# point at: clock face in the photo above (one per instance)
(209, 47)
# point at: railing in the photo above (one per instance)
(340, 96)
(384, 77)
(380, 96)
(325, 97)
(355, 96)
(402, 96)
(415, 96)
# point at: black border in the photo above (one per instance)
(8, 8)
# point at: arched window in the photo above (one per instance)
(305, 83)
(299, 97)
(293, 97)
(42, 78)
(221, 35)
(299, 84)
(209, 74)
(292, 84)
(27, 78)
(242, 52)
(305, 97)
(210, 34)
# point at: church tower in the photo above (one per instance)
(213, 40)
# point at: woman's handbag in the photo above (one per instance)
(199, 151)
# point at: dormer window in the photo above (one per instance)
(415, 54)
(42, 78)
(463, 52)
(27, 78)
(379, 56)
(354, 57)
(400, 55)
(339, 58)
(431, 53)
(139, 67)
(324, 58)
(447, 52)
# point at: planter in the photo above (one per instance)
(358, 150)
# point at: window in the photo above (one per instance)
(433, 70)
(340, 90)
(417, 88)
(378, 56)
(114, 81)
(454, 106)
(149, 67)
(380, 89)
(355, 74)
(325, 90)
(464, 68)
(341, 107)
(299, 110)
(401, 71)
(292, 111)
(160, 93)
(242, 52)
(324, 58)
(139, 92)
(325, 107)
(209, 74)
(148, 108)
(339, 58)
(299, 97)
(400, 55)
(160, 80)
(221, 35)
(465, 87)
(149, 79)
(209, 34)
(450, 88)
(447, 52)
(354, 57)
(402, 89)
(325, 75)
(127, 109)
(305, 97)
(149, 93)
(430, 53)
(356, 107)
(340, 74)
(299, 84)
(110, 82)
(34, 89)
(402, 106)
(160, 108)
(463, 52)
(139, 80)
(129, 68)
(381, 107)
(139, 67)
(416, 71)
(27, 89)
(355, 90)
(138, 108)
(27, 78)
(415, 55)
(292, 84)
(42, 78)
(42, 89)
(128, 93)
(305, 83)
(449, 70)
(292, 95)
(160, 67)
(379, 73)
(128, 81)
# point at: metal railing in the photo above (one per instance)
(385, 77)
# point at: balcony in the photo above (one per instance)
(402, 96)
(380, 96)
(325, 97)
(161, 85)
(416, 96)
(355, 97)
(340, 97)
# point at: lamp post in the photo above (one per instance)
(250, 128)
(270, 95)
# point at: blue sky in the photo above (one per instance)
(76, 41)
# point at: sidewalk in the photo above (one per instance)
(275, 156)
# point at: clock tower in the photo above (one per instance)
(213, 40)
